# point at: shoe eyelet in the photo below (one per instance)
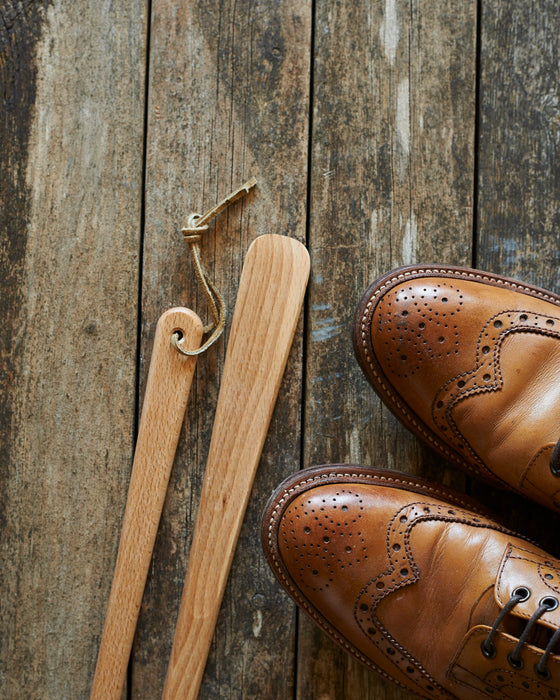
(517, 664)
(550, 601)
(543, 674)
(522, 592)
(488, 650)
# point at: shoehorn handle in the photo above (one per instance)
(268, 305)
(167, 390)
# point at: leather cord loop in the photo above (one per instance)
(195, 226)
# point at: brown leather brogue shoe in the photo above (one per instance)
(470, 362)
(415, 583)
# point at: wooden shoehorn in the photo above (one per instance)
(167, 390)
(268, 305)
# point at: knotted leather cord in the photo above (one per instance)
(195, 226)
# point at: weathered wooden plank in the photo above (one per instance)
(519, 171)
(391, 183)
(518, 202)
(71, 135)
(228, 99)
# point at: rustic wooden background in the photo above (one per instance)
(382, 132)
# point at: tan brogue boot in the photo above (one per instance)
(415, 583)
(470, 362)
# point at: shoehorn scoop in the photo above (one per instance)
(268, 305)
(167, 390)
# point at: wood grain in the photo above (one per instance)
(267, 309)
(165, 402)
(72, 78)
(518, 175)
(518, 203)
(391, 183)
(228, 100)
(391, 174)
(18, 78)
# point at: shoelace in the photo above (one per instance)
(555, 459)
(547, 604)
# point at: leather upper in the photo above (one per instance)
(409, 579)
(471, 362)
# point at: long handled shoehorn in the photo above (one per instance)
(165, 401)
(176, 346)
(269, 301)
